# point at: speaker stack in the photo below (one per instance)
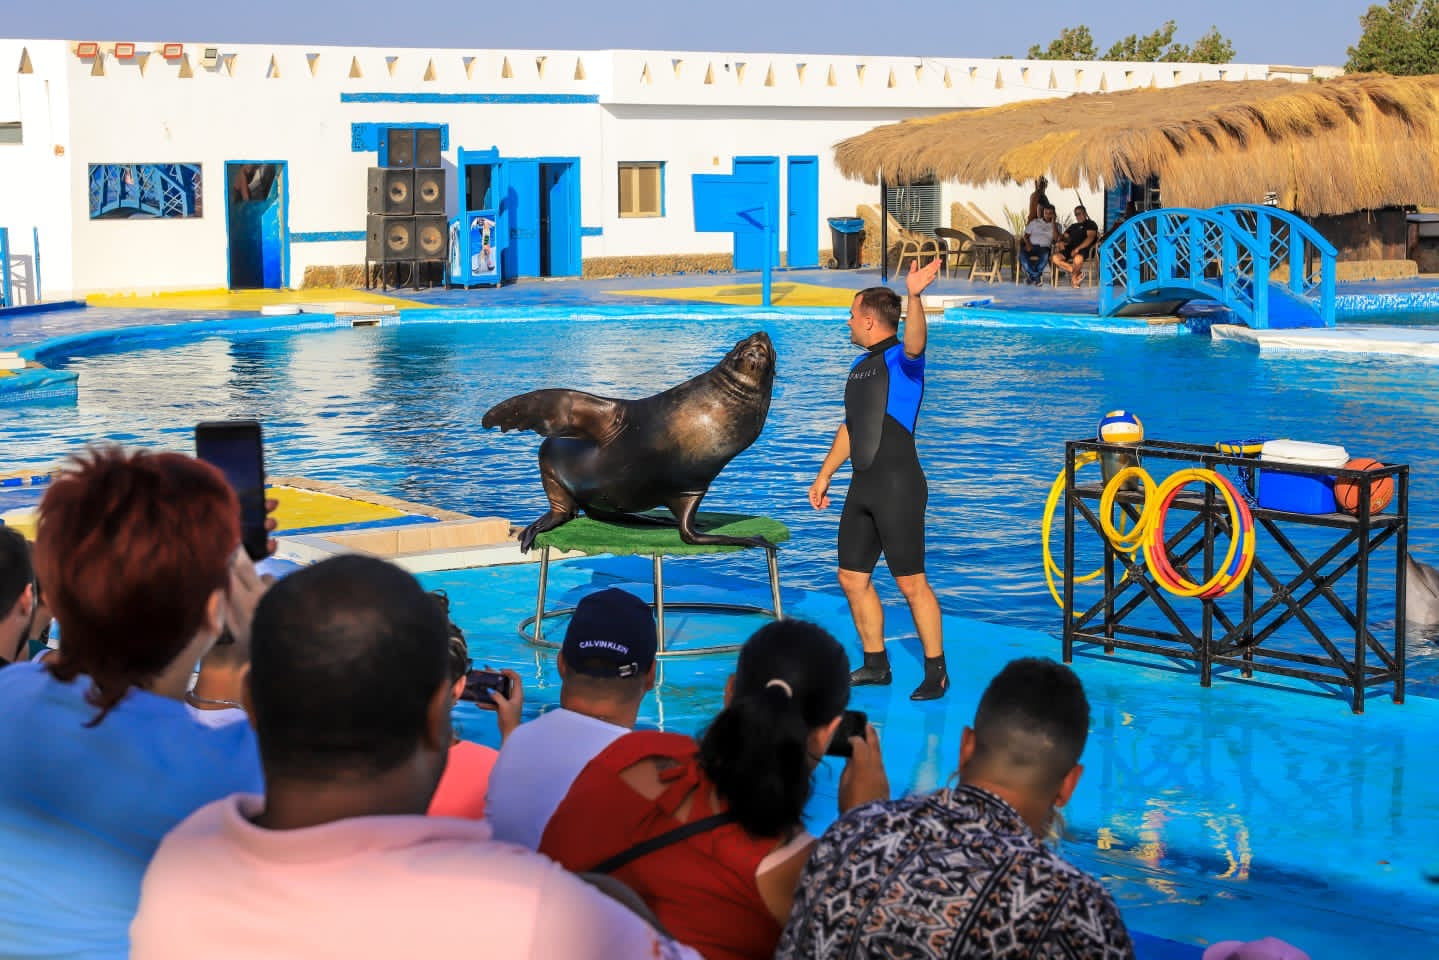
(406, 203)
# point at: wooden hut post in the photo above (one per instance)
(883, 231)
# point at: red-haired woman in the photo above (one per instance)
(139, 555)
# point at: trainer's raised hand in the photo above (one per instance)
(919, 278)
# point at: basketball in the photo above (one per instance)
(1346, 492)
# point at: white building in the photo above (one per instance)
(616, 136)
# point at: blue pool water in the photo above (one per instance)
(399, 408)
(1237, 811)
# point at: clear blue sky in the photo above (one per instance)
(1262, 31)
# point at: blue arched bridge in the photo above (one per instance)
(1269, 267)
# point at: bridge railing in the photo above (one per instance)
(1234, 255)
(1302, 260)
(1179, 253)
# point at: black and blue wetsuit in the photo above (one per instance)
(884, 511)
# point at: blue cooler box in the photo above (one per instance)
(1280, 489)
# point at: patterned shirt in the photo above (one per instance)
(950, 875)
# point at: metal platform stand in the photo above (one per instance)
(1231, 631)
(405, 273)
(659, 606)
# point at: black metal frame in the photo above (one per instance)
(377, 272)
(1239, 639)
(537, 637)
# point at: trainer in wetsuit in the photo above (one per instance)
(884, 511)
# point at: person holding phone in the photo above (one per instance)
(607, 667)
(138, 552)
(723, 880)
(462, 788)
(215, 699)
(965, 871)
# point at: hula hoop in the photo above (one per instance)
(1051, 569)
(1237, 561)
(1148, 530)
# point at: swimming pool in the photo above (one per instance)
(1197, 805)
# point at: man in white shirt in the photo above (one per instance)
(349, 693)
(1037, 243)
(607, 665)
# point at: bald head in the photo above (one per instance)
(1030, 728)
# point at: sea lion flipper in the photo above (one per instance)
(687, 506)
(556, 413)
(547, 522)
(562, 508)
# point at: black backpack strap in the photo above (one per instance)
(646, 847)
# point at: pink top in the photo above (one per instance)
(461, 792)
(370, 887)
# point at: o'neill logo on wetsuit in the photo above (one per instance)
(863, 374)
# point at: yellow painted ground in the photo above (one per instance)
(246, 299)
(22, 520)
(748, 294)
(298, 509)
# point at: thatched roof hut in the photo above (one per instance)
(1330, 146)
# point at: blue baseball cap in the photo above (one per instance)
(611, 635)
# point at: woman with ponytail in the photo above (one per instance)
(711, 834)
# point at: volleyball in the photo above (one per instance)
(1381, 491)
(1120, 426)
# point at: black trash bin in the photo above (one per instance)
(847, 238)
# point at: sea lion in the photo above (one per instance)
(612, 457)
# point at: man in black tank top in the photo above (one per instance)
(884, 510)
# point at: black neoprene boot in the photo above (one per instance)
(936, 680)
(875, 671)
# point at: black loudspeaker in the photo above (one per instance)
(430, 191)
(432, 238)
(389, 239)
(397, 147)
(391, 191)
(427, 147)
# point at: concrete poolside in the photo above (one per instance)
(812, 289)
(26, 327)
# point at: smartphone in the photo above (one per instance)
(851, 724)
(479, 683)
(236, 447)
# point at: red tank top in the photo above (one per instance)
(702, 888)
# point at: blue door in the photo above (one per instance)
(559, 218)
(749, 247)
(256, 218)
(522, 256)
(802, 212)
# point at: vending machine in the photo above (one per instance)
(474, 259)
(480, 232)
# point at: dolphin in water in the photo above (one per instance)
(1421, 592)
